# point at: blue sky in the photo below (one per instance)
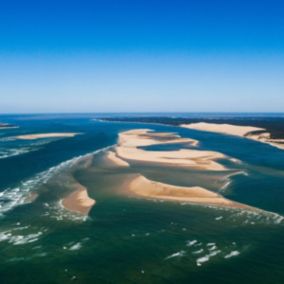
(120, 56)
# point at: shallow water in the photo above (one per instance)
(128, 239)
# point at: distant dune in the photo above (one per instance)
(250, 132)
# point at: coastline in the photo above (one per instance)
(250, 132)
(130, 143)
(128, 150)
(146, 188)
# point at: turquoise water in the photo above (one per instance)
(126, 239)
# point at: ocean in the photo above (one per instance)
(126, 239)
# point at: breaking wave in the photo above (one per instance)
(13, 197)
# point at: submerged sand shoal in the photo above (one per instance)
(250, 132)
(46, 135)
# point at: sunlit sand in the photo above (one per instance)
(45, 135)
(197, 195)
(130, 141)
(79, 201)
(129, 150)
(250, 132)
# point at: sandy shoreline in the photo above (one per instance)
(130, 142)
(136, 184)
(79, 201)
(144, 187)
(250, 132)
(112, 157)
(45, 135)
(131, 182)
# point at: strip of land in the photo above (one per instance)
(112, 157)
(45, 135)
(79, 201)
(144, 187)
(130, 143)
(133, 183)
(250, 132)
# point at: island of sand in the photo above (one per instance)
(131, 150)
(250, 132)
(131, 142)
(46, 135)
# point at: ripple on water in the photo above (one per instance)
(13, 236)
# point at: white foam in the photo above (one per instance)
(236, 161)
(202, 260)
(213, 253)
(191, 243)
(76, 246)
(219, 218)
(207, 257)
(19, 239)
(232, 254)
(13, 197)
(177, 254)
(212, 248)
(7, 153)
(198, 251)
(37, 255)
(58, 212)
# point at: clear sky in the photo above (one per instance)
(142, 55)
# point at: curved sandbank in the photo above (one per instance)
(250, 132)
(79, 201)
(45, 135)
(144, 187)
(128, 149)
(129, 144)
(112, 157)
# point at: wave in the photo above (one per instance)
(176, 254)
(7, 153)
(13, 197)
(232, 254)
(16, 236)
(191, 243)
(21, 149)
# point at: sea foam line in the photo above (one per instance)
(13, 197)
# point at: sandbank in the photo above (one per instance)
(45, 135)
(129, 149)
(130, 142)
(112, 157)
(250, 132)
(144, 187)
(229, 129)
(79, 201)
